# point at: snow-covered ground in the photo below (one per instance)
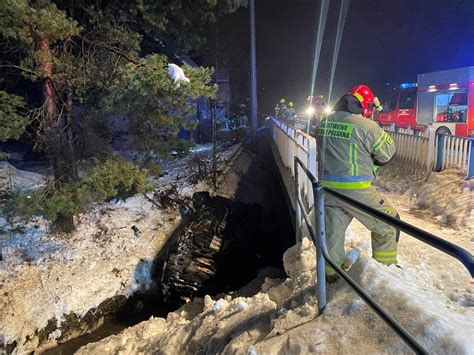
(431, 295)
(13, 178)
(446, 195)
(46, 276)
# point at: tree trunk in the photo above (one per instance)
(58, 148)
(70, 134)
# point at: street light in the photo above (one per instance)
(310, 111)
(253, 71)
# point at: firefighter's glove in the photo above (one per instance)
(378, 106)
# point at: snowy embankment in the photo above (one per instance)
(46, 277)
(49, 280)
(282, 317)
(430, 295)
(13, 178)
(446, 195)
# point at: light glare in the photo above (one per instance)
(310, 110)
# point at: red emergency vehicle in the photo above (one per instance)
(443, 100)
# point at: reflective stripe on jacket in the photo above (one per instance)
(348, 147)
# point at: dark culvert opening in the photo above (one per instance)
(219, 247)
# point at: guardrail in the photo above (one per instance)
(417, 130)
(423, 153)
(318, 236)
(453, 151)
(292, 142)
(415, 152)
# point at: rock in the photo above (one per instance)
(467, 302)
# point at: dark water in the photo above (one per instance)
(110, 327)
(126, 317)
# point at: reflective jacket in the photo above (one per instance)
(349, 148)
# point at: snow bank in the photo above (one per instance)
(282, 318)
(445, 195)
(12, 178)
(47, 277)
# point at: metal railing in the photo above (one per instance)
(423, 153)
(413, 130)
(453, 151)
(292, 142)
(318, 236)
(415, 152)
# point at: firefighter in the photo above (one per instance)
(318, 105)
(290, 112)
(282, 110)
(351, 148)
(277, 110)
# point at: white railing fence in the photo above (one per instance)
(449, 151)
(420, 154)
(407, 130)
(453, 152)
(423, 154)
(415, 152)
(292, 142)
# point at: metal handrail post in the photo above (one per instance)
(440, 153)
(297, 205)
(470, 163)
(321, 243)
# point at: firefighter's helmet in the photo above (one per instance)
(282, 101)
(366, 98)
(290, 104)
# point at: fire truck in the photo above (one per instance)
(443, 100)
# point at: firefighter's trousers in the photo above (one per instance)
(338, 216)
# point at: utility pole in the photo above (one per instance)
(253, 71)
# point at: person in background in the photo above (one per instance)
(290, 112)
(282, 110)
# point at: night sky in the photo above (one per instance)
(384, 41)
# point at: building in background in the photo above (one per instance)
(223, 98)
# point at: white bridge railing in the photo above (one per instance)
(453, 152)
(423, 152)
(416, 153)
(292, 142)
(420, 154)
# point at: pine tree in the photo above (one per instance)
(87, 53)
(13, 119)
(35, 28)
(155, 106)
